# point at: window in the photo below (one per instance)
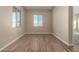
(16, 17)
(38, 20)
(76, 22)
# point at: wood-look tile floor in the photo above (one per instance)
(36, 43)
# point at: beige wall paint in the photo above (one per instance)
(60, 22)
(7, 33)
(29, 28)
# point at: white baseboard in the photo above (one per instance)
(11, 42)
(40, 33)
(62, 40)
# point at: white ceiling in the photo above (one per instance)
(38, 7)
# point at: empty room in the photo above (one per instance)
(37, 29)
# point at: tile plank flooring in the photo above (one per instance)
(36, 43)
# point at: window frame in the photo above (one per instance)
(16, 10)
(19, 18)
(38, 20)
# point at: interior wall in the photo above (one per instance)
(61, 23)
(45, 29)
(7, 33)
(76, 18)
